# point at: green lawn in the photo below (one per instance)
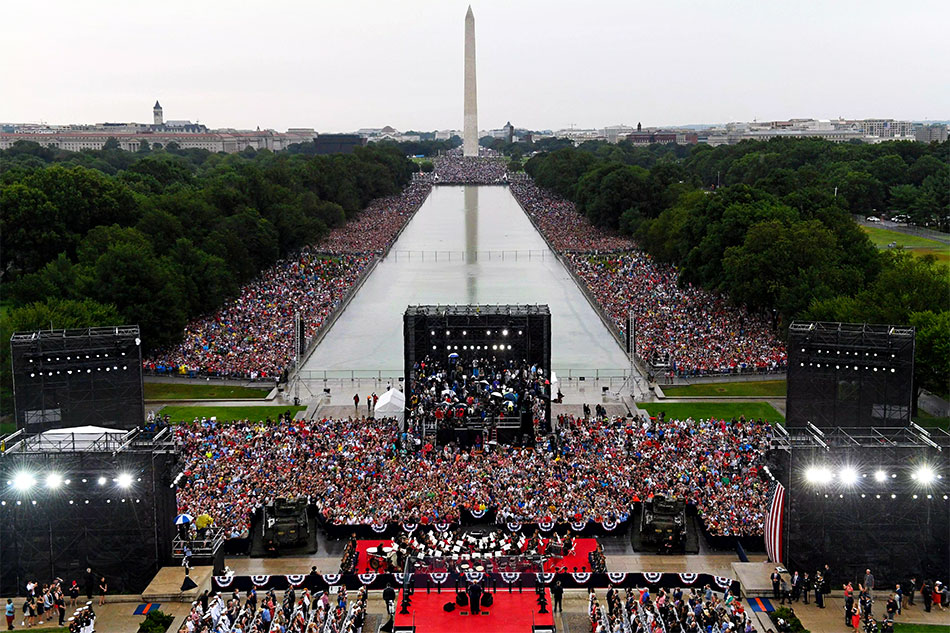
(924, 419)
(199, 391)
(762, 388)
(914, 243)
(187, 414)
(7, 427)
(905, 627)
(727, 410)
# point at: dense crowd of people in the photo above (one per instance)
(251, 336)
(688, 329)
(295, 612)
(669, 611)
(448, 393)
(362, 471)
(682, 328)
(558, 220)
(453, 168)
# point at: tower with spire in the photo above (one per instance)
(157, 118)
(470, 123)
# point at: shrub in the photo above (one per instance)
(156, 622)
(794, 624)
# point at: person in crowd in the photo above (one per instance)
(868, 585)
(557, 596)
(926, 595)
(103, 590)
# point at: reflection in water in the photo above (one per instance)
(471, 243)
(463, 224)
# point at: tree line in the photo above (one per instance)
(770, 225)
(159, 237)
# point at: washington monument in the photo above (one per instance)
(470, 129)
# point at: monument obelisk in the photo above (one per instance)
(470, 129)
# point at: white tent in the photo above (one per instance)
(391, 404)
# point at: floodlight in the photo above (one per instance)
(102, 481)
(23, 481)
(54, 480)
(848, 476)
(504, 332)
(818, 475)
(924, 475)
(124, 480)
(880, 476)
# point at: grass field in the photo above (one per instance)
(727, 410)
(7, 427)
(199, 391)
(906, 627)
(926, 420)
(187, 414)
(916, 244)
(761, 388)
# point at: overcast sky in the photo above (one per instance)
(343, 64)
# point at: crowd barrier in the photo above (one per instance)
(449, 581)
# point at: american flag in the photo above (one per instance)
(775, 521)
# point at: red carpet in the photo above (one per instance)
(362, 564)
(511, 613)
(582, 547)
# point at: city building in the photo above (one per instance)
(931, 133)
(159, 133)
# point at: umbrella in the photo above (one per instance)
(484, 382)
(454, 355)
(511, 395)
(496, 394)
(448, 391)
(183, 519)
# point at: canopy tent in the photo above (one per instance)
(391, 404)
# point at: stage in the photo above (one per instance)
(510, 613)
(576, 562)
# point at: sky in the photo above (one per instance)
(542, 64)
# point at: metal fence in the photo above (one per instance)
(395, 376)
(528, 255)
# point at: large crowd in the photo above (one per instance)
(680, 327)
(365, 471)
(295, 612)
(448, 393)
(455, 169)
(669, 611)
(251, 336)
(688, 329)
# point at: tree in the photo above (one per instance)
(863, 192)
(931, 351)
(111, 143)
(781, 266)
(144, 146)
(31, 228)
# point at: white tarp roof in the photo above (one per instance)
(391, 404)
(79, 437)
